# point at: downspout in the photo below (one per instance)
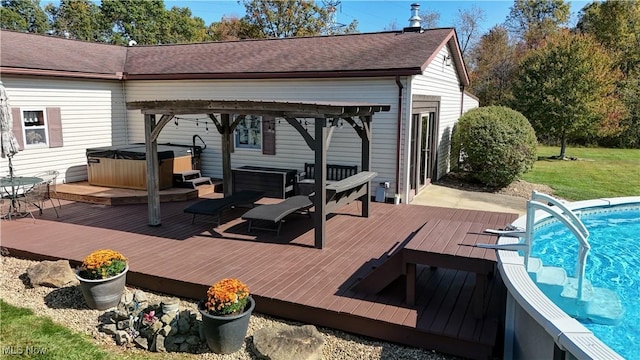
(400, 88)
(462, 100)
(126, 114)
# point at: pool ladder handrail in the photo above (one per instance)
(569, 219)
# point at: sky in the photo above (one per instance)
(373, 15)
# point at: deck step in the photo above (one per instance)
(198, 181)
(188, 173)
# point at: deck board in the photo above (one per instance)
(289, 277)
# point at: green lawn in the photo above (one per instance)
(24, 335)
(597, 173)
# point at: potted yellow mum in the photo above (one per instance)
(225, 315)
(102, 277)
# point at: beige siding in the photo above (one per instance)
(92, 114)
(441, 80)
(291, 150)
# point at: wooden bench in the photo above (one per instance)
(215, 207)
(306, 179)
(354, 187)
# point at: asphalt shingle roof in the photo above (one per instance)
(41, 52)
(365, 54)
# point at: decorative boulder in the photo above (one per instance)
(55, 274)
(289, 343)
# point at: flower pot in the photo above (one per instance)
(225, 334)
(102, 294)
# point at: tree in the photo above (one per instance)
(493, 62)
(429, 19)
(616, 25)
(180, 27)
(23, 15)
(286, 18)
(78, 19)
(467, 25)
(140, 21)
(534, 20)
(566, 89)
(232, 28)
(392, 26)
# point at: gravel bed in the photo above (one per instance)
(66, 306)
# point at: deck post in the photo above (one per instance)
(411, 284)
(320, 198)
(153, 184)
(366, 161)
(226, 154)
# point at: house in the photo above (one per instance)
(69, 95)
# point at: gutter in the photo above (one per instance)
(400, 88)
(274, 75)
(60, 73)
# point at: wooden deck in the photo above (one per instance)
(288, 277)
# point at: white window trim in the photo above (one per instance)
(236, 144)
(44, 127)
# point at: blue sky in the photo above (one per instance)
(372, 15)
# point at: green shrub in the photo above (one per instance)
(495, 144)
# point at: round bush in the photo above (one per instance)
(496, 144)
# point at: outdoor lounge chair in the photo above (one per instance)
(215, 207)
(277, 212)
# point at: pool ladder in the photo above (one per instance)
(575, 296)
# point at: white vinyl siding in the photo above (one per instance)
(291, 150)
(441, 80)
(92, 114)
(470, 102)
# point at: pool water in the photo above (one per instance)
(612, 263)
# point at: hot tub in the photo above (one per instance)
(125, 166)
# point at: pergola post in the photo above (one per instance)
(225, 120)
(320, 198)
(153, 184)
(366, 160)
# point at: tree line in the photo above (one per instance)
(150, 23)
(576, 84)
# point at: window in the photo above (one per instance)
(248, 134)
(35, 128)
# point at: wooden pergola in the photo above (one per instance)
(326, 115)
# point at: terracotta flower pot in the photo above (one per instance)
(102, 294)
(225, 334)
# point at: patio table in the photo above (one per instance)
(13, 189)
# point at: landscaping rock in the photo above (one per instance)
(140, 296)
(127, 297)
(56, 274)
(183, 326)
(142, 342)
(289, 343)
(122, 337)
(171, 306)
(158, 344)
(109, 329)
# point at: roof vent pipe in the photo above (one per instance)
(414, 20)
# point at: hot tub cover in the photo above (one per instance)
(137, 152)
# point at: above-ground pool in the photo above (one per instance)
(613, 263)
